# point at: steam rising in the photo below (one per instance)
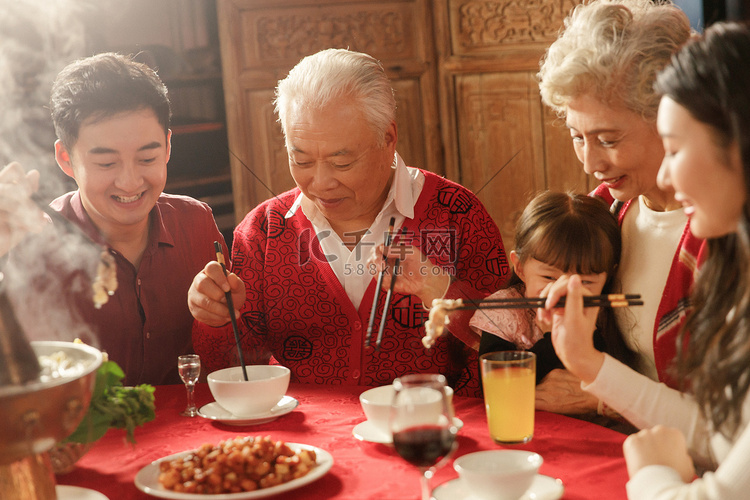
(37, 39)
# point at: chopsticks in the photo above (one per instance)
(608, 300)
(387, 305)
(371, 323)
(230, 305)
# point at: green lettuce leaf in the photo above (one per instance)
(114, 406)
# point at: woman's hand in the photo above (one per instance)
(573, 328)
(416, 274)
(206, 296)
(19, 215)
(560, 392)
(658, 446)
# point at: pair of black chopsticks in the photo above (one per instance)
(230, 305)
(608, 300)
(389, 294)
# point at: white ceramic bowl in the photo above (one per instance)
(376, 404)
(498, 474)
(265, 387)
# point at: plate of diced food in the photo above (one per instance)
(241, 468)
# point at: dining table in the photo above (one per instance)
(587, 458)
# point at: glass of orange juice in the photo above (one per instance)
(509, 382)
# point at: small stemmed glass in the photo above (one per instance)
(189, 366)
(422, 424)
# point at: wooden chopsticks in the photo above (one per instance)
(230, 305)
(609, 300)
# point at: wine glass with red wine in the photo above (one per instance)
(422, 424)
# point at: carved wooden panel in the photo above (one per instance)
(467, 99)
(488, 55)
(490, 26)
(409, 115)
(284, 36)
(500, 142)
(272, 171)
(261, 40)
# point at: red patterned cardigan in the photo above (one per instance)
(675, 300)
(298, 314)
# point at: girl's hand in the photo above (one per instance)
(573, 328)
(659, 446)
(416, 274)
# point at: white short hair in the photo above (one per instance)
(332, 74)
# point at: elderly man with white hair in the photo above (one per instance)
(301, 278)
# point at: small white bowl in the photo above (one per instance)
(376, 404)
(265, 387)
(498, 474)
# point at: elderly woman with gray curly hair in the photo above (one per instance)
(599, 77)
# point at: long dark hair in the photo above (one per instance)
(710, 78)
(575, 232)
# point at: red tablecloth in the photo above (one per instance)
(588, 458)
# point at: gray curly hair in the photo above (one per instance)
(613, 49)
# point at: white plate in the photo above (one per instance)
(147, 479)
(77, 493)
(214, 411)
(366, 431)
(543, 488)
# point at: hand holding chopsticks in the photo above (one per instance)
(230, 305)
(435, 326)
(417, 275)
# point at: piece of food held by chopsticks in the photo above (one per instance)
(435, 325)
(105, 283)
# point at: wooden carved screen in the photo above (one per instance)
(261, 40)
(469, 105)
(500, 141)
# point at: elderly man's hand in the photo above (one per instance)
(659, 446)
(18, 213)
(206, 296)
(560, 392)
(416, 274)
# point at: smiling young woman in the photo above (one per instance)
(703, 170)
